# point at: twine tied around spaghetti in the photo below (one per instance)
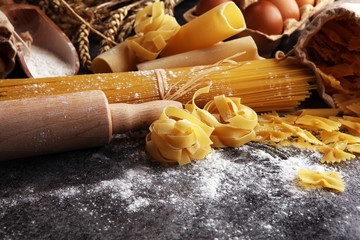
(195, 78)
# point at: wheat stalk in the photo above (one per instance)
(126, 29)
(84, 51)
(113, 26)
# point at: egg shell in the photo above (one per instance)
(288, 8)
(264, 17)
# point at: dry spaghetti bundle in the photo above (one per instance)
(263, 85)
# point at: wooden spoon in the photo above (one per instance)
(45, 34)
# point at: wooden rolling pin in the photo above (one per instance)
(58, 123)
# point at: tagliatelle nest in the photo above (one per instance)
(330, 45)
(112, 20)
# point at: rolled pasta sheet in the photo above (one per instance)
(178, 141)
(117, 59)
(153, 29)
(240, 49)
(216, 25)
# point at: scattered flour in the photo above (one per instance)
(232, 193)
(216, 177)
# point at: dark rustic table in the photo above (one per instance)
(117, 192)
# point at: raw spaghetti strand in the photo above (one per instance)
(263, 85)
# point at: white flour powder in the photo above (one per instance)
(43, 63)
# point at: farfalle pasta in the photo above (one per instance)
(316, 123)
(306, 135)
(323, 132)
(153, 29)
(335, 152)
(332, 137)
(324, 179)
(272, 132)
(351, 125)
(354, 107)
(347, 103)
(355, 148)
(330, 46)
(320, 112)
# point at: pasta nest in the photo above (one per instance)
(178, 141)
(153, 28)
(182, 135)
(233, 122)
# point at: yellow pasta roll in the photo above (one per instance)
(153, 29)
(117, 59)
(239, 49)
(218, 24)
(324, 179)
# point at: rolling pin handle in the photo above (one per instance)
(135, 116)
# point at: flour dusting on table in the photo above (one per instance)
(248, 192)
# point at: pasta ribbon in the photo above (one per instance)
(153, 29)
(324, 179)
